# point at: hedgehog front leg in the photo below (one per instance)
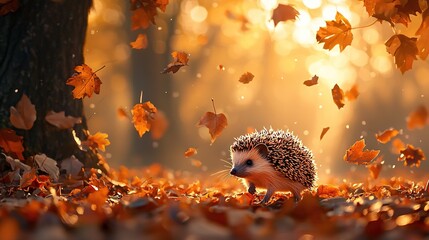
(267, 196)
(252, 188)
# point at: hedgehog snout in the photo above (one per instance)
(233, 171)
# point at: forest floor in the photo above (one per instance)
(155, 203)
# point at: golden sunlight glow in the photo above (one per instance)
(198, 14)
(268, 4)
(312, 4)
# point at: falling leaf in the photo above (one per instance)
(418, 118)
(190, 152)
(61, 121)
(16, 163)
(48, 165)
(246, 77)
(324, 131)
(336, 32)
(24, 114)
(338, 96)
(239, 18)
(85, 82)
(28, 178)
(214, 122)
(284, 13)
(140, 42)
(352, 93)
(404, 49)
(312, 81)
(72, 165)
(385, 136)
(397, 146)
(11, 143)
(375, 167)
(122, 113)
(382, 10)
(158, 125)
(411, 156)
(8, 7)
(355, 154)
(142, 115)
(98, 140)
(180, 59)
(423, 41)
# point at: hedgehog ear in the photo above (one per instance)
(262, 149)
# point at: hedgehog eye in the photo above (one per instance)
(249, 162)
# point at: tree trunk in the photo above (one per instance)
(40, 44)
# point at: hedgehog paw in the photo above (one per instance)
(252, 188)
(267, 197)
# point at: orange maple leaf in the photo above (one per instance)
(28, 178)
(312, 81)
(144, 12)
(418, 118)
(411, 156)
(355, 154)
(85, 81)
(140, 42)
(246, 77)
(338, 96)
(98, 140)
(215, 122)
(284, 13)
(11, 143)
(404, 49)
(385, 136)
(352, 93)
(381, 9)
(24, 114)
(336, 32)
(180, 59)
(375, 167)
(142, 115)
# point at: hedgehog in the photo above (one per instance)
(274, 160)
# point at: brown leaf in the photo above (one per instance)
(404, 49)
(72, 166)
(28, 178)
(284, 13)
(190, 152)
(381, 9)
(324, 131)
(85, 82)
(214, 122)
(418, 118)
(336, 32)
(61, 121)
(312, 81)
(246, 77)
(411, 156)
(142, 114)
(338, 96)
(143, 14)
(375, 167)
(11, 143)
(98, 140)
(180, 59)
(353, 93)
(24, 114)
(16, 163)
(48, 165)
(397, 146)
(140, 42)
(423, 41)
(385, 136)
(8, 7)
(355, 154)
(158, 125)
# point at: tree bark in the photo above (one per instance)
(40, 44)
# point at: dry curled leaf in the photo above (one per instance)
(336, 32)
(246, 77)
(423, 41)
(352, 93)
(355, 154)
(180, 59)
(284, 13)
(144, 12)
(397, 146)
(11, 143)
(313, 81)
(85, 82)
(386, 135)
(338, 96)
(28, 178)
(214, 122)
(375, 167)
(142, 114)
(140, 42)
(411, 156)
(97, 141)
(72, 166)
(16, 163)
(324, 131)
(190, 152)
(404, 49)
(418, 118)
(48, 165)
(24, 114)
(328, 191)
(61, 121)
